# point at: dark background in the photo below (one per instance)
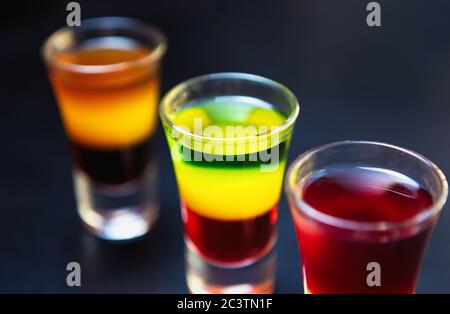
(390, 83)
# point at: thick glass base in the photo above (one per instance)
(204, 277)
(117, 212)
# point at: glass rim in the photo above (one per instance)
(153, 56)
(178, 89)
(303, 208)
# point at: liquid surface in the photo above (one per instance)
(230, 111)
(103, 56)
(366, 195)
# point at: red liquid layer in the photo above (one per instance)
(230, 241)
(335, 260)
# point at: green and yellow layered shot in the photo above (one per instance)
(229, 158)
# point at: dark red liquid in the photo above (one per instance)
(335, 259)
(226, 241)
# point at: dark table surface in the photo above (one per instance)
(390, 83)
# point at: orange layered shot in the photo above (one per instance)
(229, 186)
(108, 103)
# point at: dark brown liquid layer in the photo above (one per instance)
(114, 166)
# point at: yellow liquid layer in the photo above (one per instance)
(229, 192)
(110, 110)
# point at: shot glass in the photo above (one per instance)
(228, 134)
(105, 76)
(363, 213)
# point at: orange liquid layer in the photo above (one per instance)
(107, 110)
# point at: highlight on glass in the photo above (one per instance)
(228, 135)
(105, 76)
(363, 213)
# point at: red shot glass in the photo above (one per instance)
(363, 214)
